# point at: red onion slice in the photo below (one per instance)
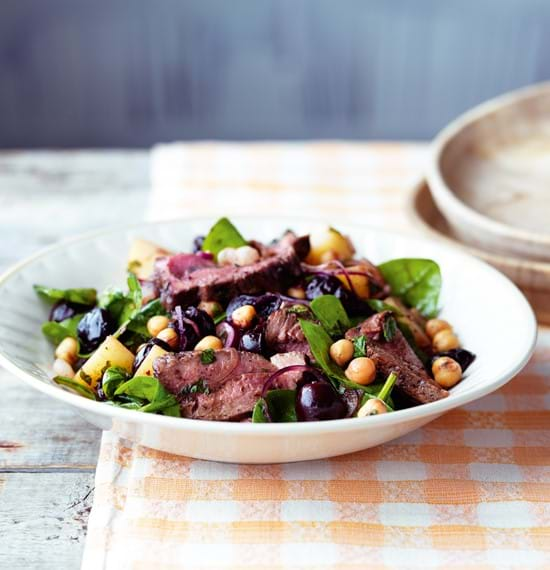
(228, 334)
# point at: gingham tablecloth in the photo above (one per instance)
(470, 490)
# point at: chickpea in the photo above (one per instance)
(341, 351)
(63, 368)
(209, 342)
(67, 350)
(296, 292)
(169, 336)
(212, 308)
(446, 371)
(246, 255)
(433, 326)
(227, 256)
(361, 370)
(445, 340)
(372, 407)
(244, 316)
(157, 324)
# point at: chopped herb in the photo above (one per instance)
(208, 356)
(359, 346)
(389, 329)
(199, 387)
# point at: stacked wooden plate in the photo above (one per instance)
(488, 189)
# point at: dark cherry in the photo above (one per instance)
(197, 244)
(142, 353)
(63, 310)
(93, 328)
(264, 304)
(319, 401)
(329, 285)
(253, 341)
(461, 355)
(202, 319)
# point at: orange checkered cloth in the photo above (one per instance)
(469, 490)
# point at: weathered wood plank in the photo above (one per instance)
(43, 519)
(37, 432)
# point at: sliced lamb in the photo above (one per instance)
(284, 359)
(184, 283)
(225, 389)
(397, 356)
(283, 332)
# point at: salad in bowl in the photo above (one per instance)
(297, 330)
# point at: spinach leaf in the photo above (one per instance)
(359, 346)
(219, 318)
(113, 377)
(56, 332)
(114, 301)
(379, 306)
(331, 313)
(416, 281)
(79, 296)
(319, 342)
(75, 386)
(281, 407)
(208, 356)
(222, 234)
(151, 391)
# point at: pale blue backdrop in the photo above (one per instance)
(130, 73)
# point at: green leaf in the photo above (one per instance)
(222, 234)
(331, 313)
(56, 332)
(415, 281)
(208, 356)
(134, 331)
(258, 413)
(219, 317)
(79, 296)
(389, 328)
(113, 301)
(150, 391)
(134, 298)
(113, 377)
(281, 405)
(319, 342)
(359, 346)
(75, 386)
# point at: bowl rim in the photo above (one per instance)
(446, 198)
(510, 261)
(425, 411)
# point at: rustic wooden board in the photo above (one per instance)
(47, 453)
(43, 519)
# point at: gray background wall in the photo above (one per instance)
(131, 73)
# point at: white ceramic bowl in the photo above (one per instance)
(490, 315)
(490, 174)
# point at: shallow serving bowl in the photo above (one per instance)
(490, 174)
(532, 277)
(491, 316)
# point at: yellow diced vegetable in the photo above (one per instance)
(142, 256)
(146, 367)
(328, 245)
(111, 352)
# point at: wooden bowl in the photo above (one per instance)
(532, 277)
(490, 174)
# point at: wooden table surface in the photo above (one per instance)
(47, 453)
